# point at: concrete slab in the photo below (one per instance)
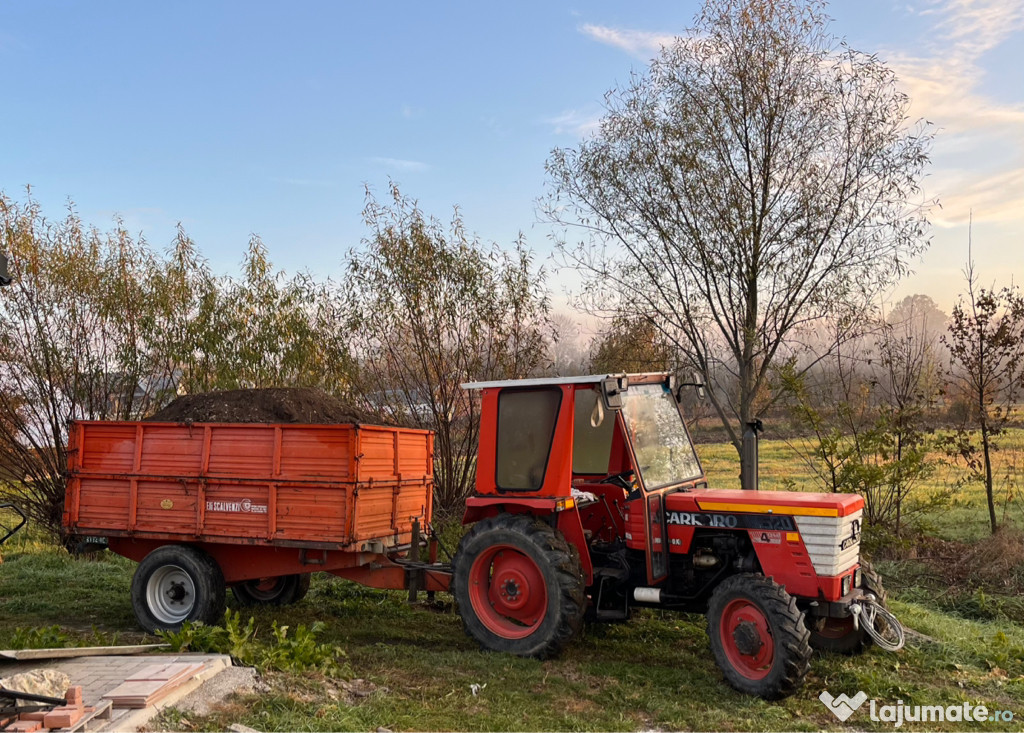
(21, 655)
(99, 675)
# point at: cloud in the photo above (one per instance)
(575, 122)
(413, 166)
(977, 26)
(945, 87)
(643, 44)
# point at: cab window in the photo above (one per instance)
(526, 426)
(591, 444)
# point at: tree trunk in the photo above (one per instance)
(989, 493)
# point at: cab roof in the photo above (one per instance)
(547, 381)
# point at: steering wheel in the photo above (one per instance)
(621, 479)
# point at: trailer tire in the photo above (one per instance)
(837, 636)
(758, 636)
(519, 586)
(174, 584)
(279, 591)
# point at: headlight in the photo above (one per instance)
(858, 578)
(847, 584)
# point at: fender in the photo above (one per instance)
(566, 519)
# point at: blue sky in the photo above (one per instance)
(250, 117)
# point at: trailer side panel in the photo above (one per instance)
(322, 485)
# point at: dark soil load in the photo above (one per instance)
(276, 405)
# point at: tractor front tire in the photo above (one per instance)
(837, 635)
(174, 584)
(279, 591)
(519, 586)
(758, 636)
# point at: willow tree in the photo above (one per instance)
(758, 179)
(72, 345)
(430, 307)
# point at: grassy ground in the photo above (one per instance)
(655, 672)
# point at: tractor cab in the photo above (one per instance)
(583, 449)
(590, 501)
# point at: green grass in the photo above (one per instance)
(655, 672)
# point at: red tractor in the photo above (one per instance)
(591, 501)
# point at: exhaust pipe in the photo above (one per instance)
(748, 458)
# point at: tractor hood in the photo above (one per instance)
(792, 503)
(826, 526)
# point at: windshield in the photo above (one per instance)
(663, 451)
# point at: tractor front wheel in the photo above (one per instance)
(758, 636)
(519, 586)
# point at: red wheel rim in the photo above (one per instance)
(507, 591)
(266, 585)
(747, 639)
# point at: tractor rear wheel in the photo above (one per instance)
(519, 586)
(758, 636)
(279, 591)
(838, 635)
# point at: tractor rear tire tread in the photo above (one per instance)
(557, 559)
(790, 634)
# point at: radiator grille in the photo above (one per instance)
(832, 542)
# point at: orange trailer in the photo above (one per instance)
(254, 507)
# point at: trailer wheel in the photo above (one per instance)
(174, 584)
(758, 636)
(837, 635)
(519, 586)
(279, 591)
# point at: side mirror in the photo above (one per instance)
(611, 392)
(697, 382)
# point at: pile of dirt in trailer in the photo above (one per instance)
(277, 405)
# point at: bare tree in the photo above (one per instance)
(986, 346)
(862, 420)
(430, 307)
(758, 179)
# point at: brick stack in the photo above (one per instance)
(63, 716)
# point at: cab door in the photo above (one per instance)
(655, 521)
